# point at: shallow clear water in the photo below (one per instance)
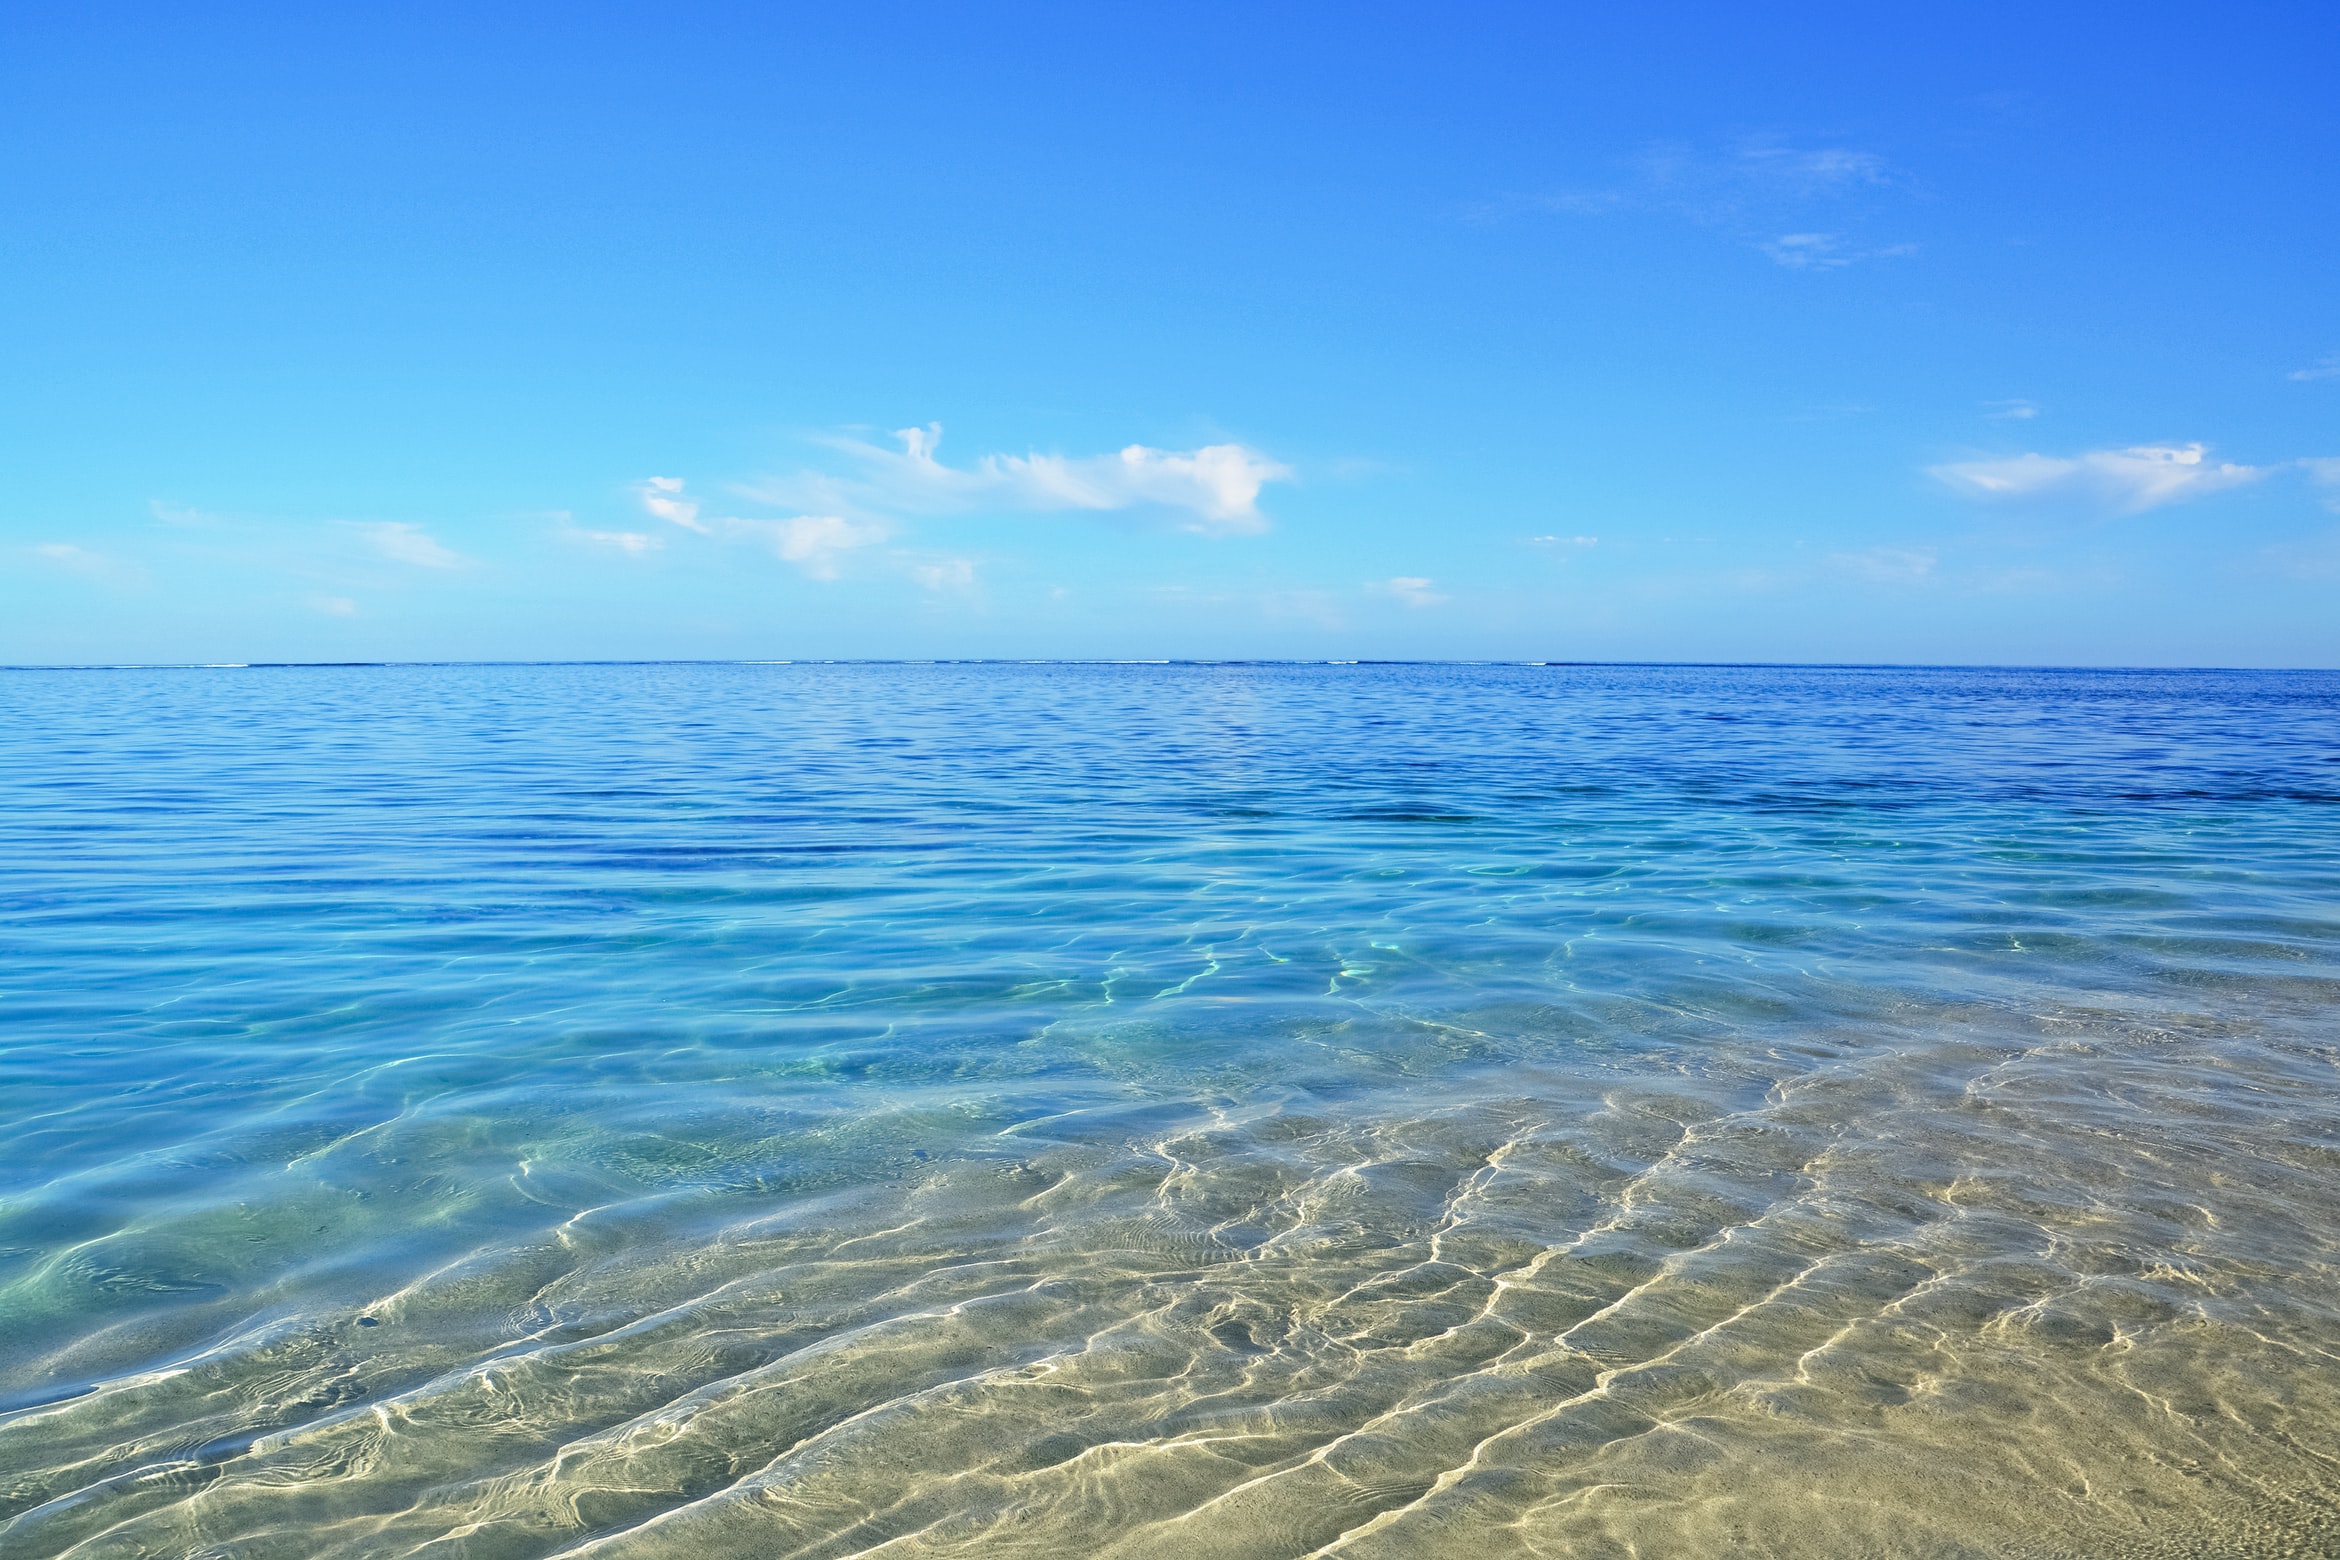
(1234, 1111)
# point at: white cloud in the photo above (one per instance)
(1412, 589)
(401, 542)
(1218, 485)
(2325, 367)
(176, 514)
(2015, 409)
(333, 606)
(663, 497)
(814, 543)
(2130, 481)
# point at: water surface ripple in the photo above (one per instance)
(1188, 1110)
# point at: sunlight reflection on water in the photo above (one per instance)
(1180, 1110)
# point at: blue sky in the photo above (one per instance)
(1800, 332)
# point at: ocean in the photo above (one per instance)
(1197, 1110)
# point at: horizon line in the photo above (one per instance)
(1524, 662)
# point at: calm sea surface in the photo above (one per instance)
(1168, 1110)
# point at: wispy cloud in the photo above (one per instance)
(333, 606)
(401, 542)
(1216, 487)
(2310, 558)
(2128, 481)
(1814, 170)
(2325, 367)
(1759, 175)
(2015, 409)
(96, 567)
(1828, 411)
(1564, 541)
(1825, 251)
(1887, 565)
(2324, 471)
(1766, 191)
(939, 575)
(633, 543)
(1319, 608)
(814, 543)
(1412, 589)
(663, 497)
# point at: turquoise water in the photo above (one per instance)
(1175, 1110)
